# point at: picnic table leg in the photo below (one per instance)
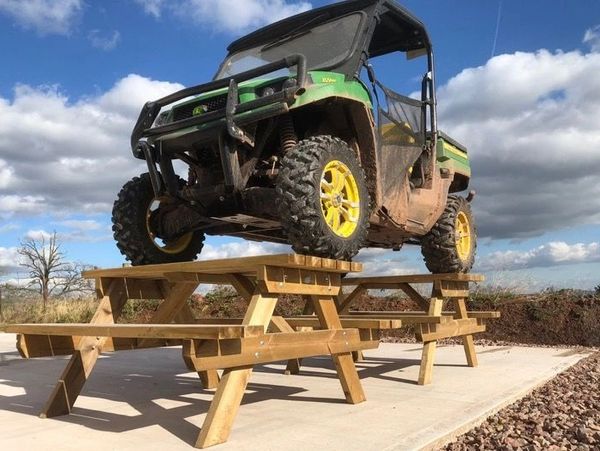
(227, 400)
(208, 378)
(74, 376)
(429, 347)
(461, 312)
(326, 310)
(293, 365)
(358, 356)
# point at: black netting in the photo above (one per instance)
(401, 120)
(401, 123)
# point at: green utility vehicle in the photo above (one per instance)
(289, 144)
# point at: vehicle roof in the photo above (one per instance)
(396, 30)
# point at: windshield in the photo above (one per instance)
(323, 46)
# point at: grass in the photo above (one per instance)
(79, 310)
(57, 311)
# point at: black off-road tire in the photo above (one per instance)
(298, 188)
(439, 245)
(130, 231)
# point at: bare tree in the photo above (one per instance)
(50, 273)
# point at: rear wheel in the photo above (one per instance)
(324, 201)
(450, 245)
(133, 216)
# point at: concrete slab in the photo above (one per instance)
(148, 400)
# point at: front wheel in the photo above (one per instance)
(133, 230)
(450, 245)
(324, 201)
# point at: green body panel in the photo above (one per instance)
(323, 85)
(451, 157)
(331, 84)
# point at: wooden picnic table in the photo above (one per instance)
(431, 323)
(234, 346)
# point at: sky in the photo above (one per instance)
(517, 82)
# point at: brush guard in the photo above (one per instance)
(150, 111)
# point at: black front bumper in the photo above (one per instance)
(224, 116)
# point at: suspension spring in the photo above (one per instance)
(287, 134)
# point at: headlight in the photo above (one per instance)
(268, 91)
(162, 119)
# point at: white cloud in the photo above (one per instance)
(384, 262)
(9, 259)
(236, 249)
(550, 254)
(70, 156)
(104, 41)
(82, 224)
(6, 174)
(232, 16)
(44, 16)
(530, 123)
(152, 7)
(13, 204)
(592, 38)
(38, 235)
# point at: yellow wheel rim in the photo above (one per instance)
(463, 236)
(171, 247)
(340, 200)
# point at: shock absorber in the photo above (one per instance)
(287, 134)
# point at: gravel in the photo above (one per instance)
(563, 414)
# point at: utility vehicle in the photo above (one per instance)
(296, 141)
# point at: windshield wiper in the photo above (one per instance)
(294, 33)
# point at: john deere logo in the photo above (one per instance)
(200, 109)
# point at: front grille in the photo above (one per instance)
(186, 111)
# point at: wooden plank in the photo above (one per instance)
(344, 266)
(175, 298)
(279, 324)
(455, 328)
(228, 397)
(344, 302)
(359, 323)
(453, 289)
(243, 285)
(414, 278)
(222, 266)
(32, 346)
(215, 279)
(82, 362)
(293, 365)
(326, 310)
(356, 267)
(468, 344)
(276, 347)
(427, 359)
(272, 279)
(428, 355)
(209, 379)
(182, 331)
(392, 313)
(405, 318)
(415, 296)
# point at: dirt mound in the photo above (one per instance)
(563, 317)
